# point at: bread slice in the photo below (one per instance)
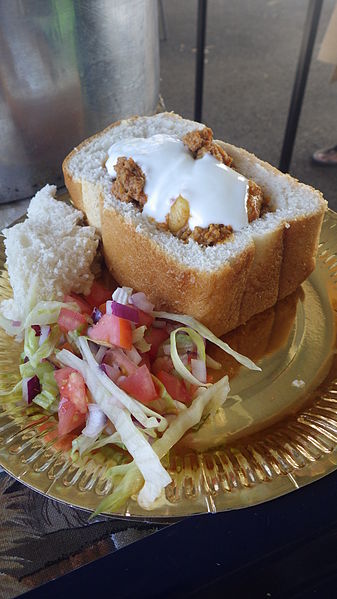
(47, 255)
(224, 285)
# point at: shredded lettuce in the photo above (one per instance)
(207, 334)
(177, 362)
(205, 401)
(36, 354)
(155, 476)
(129, 485)
(46, 401)
(184, 342)
(164, 404)
(27, 370)
(132, 482)
(137, 409)
(31, 344)
(11, 330)
(49, 396)
(47, 312)
(83, 444)
(138, 339)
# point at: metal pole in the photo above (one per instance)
(303, 65)
(199, 75)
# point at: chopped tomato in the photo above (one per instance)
(69, 417)
(155, 337)
(114, 330)
(77, 299)
(71, 386)
(69, 320)
(117, 356)
(140, 385)
(61, 376)
(98, 294)
(144, 318)
(174, 386)
(162, 363)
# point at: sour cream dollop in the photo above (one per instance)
(216, 193)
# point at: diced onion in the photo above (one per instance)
(30, 388)
(96, 315)
(167, 349)
(113, 372)
(44, 334)
(96, 421)
(133, 355)
(140, 301)
(122, 311)
(100, 354)
(199, 370)
(122, 294)
(184, 359)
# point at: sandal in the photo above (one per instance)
(326, 156)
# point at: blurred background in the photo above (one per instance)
(252, 48)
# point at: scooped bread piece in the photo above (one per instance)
(48, 255)
(223, 285)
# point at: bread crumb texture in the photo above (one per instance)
(48, 255)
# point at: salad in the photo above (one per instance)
(123, 378)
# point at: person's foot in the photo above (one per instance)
(326, 156)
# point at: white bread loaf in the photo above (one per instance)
(223, 285)
(47, 255)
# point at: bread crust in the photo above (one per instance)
(136, 261)
(300, 243)
(269, 268)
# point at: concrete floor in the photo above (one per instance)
(251, 57)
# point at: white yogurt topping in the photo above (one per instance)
(216, 193)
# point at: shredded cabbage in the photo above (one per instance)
(177, 362)
(129, 485)
(11, 330)
(83, 444)
(47, 313)
(132, 481)
(122, 294)
(155, 476)
(164, 404)
(136, 408)
(36, 353)
(47, 401)
(204, 402)
(207, 334)
(138, 339)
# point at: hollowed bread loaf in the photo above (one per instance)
(223, 285)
